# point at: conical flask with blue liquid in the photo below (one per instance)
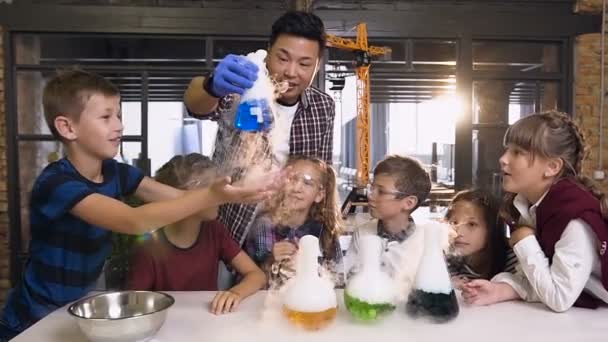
(254, 113)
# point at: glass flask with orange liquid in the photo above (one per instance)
(371, 292)
(309, 301)
(433, 295)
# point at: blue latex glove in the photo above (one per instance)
(233, 75)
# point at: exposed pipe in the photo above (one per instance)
(602, 90)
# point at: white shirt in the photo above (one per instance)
(400, 259)
(575, 265)
(281, 131)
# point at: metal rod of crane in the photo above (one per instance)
(360, 46)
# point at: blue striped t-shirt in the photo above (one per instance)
(67, 254)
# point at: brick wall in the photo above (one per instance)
(4, 230)
(587, 53)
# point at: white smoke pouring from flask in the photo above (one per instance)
(433, 295)
(309, 300)
(251, 155)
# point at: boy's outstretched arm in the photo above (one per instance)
(253, 280)
(149, 190)
(114, 215)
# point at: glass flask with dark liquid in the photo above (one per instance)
(309, 300)
(433, 295)
(371, 292)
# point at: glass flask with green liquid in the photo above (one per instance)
(371, 293)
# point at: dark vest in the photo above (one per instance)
(566, 201)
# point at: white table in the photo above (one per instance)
(189, 320)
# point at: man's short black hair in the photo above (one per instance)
(299, 24)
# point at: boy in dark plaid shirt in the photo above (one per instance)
(296, 46)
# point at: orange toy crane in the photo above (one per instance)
(363, 54)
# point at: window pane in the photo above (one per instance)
(393, 80)
(129, 84)
(57, 49)
(162, 86)
(30, 117)
(522, 103)
(413, 130)
(434, 55)
(222, 47)
(517, 56)
(394, 88)
(131, 118)
(503, 102)
(129, 152)
(496, 104)
(391, 61)
(166, 134)
(30, 85)
(342, 56)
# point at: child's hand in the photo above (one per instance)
(283, 249)
(228, 193)
(224, 302)
(459, 281)
(519, 234)
(483, 292)
(264, 175)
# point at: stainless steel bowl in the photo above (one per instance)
(121, 316)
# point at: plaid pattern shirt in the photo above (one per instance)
(391, 243)
(264, 234)
(235, 151)
(398, 237)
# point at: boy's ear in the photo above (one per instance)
(409, 203)
(554, 167)
(65, 127)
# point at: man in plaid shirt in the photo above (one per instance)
(296, 45)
